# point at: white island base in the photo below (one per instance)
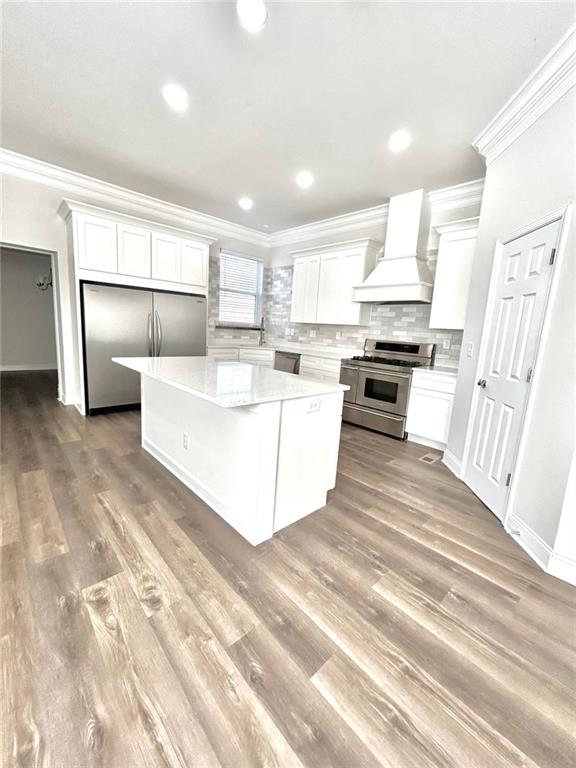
(260, 466)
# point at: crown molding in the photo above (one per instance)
(551, 79)
(92, 191)
(347, 222)
(133, 203)
(457, 226)
(459, 196)
(445, 199)
(363, 243)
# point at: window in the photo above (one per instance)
(240, 294)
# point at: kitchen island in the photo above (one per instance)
(259, 446)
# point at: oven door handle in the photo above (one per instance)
(376, 413)
(376, 373)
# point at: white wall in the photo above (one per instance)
(532, 178)
(27, 336)
(30, 219)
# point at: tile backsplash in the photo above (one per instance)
(387, 321)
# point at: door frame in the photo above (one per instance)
(564, 216)
(55, 301)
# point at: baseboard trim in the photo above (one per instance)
(32, 367)
(196, 487)
(453, 463)
(530, 542)
(563, 568)
(425, 441)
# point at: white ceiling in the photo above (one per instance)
(321, 88)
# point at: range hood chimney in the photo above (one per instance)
(402, 275)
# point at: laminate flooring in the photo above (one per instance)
(399, 626)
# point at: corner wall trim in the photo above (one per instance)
(551, 79)
(553, 563)
(453, 463)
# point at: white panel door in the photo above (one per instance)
(134, 251)
(193, 263)
(96, 243)
(512, 332)
(305, 290)
(165, 257)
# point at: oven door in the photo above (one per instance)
(383, 390)
(349, 375)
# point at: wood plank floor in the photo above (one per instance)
(399, 626)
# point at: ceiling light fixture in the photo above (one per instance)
(399, 141)
(245, 203)
(175, 96)
(252, 14)
(304, 179)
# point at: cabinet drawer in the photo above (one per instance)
(258, 356)
(434, 381)
(223, 353)
(321, 363)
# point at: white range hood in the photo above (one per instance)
(402, 275)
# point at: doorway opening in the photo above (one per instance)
(29, 316)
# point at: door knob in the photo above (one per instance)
(482, 383)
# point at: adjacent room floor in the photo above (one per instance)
(398, 626)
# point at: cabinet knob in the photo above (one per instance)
(482, 383)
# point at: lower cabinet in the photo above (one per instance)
(430, 407)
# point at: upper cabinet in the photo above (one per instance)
(96, 242)
(127, 250)
(133, 251)
(453, 271)
(304, 306)
(324, 281)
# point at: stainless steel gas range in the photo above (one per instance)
(379, 382)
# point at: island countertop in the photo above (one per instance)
(228, 384)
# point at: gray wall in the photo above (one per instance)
(27, 334)
(532, 178)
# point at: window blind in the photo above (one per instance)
(240, 291)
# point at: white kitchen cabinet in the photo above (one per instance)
(453, 271)
(430, 407)
(96, 243)
(165, 257)
(223, 353)
(193, 262)
(257, 356)
(134, 254)
(326, 369)
(305, 290)
(324, 282)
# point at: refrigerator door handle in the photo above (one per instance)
(150, 341)
(158, 333)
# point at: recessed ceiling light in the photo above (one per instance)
(252, 14)
(245, 203)
(399, 141)
(175, 96)
(304, 179)
(266, 226)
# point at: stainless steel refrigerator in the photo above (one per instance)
(133, 322)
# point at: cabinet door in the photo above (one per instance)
(96, 243)
(305, 290)
(451, 284)
(165, 257)
(429, 414)
(133, 251)
(193, 263)
(339, 274)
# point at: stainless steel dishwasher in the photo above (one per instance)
(287, 361)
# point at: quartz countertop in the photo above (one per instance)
(226, 383)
